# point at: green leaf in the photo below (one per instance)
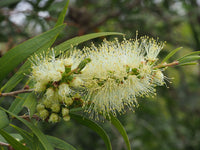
(18, 137)
(4, 121)
(62, 47)
(94, 126)
(17, 104)
(189, 59)
(171, 54)
(186, 64)
(28, 137)
(30, 103)
(37, 145)
(62, 15)
(190, 54)
(60, 144)
(77, 40)
(121, 130)
(8, 2)
(16, 55)
(12, 141)
(16, 78)
(42, 138)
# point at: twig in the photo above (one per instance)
(174, 63)
(16, 92)
(4, 144)
(27, 117)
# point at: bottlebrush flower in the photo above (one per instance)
(118, 73)
(108, 78)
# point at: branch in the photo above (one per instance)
(4, 144)
(27, 117)
(16, 92)
(174, 63)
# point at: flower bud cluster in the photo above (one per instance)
(108, 77)
(55, 104)
(55, 81)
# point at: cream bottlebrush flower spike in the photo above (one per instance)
(118, 73)
(108, 78)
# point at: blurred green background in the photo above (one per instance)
(171, 120)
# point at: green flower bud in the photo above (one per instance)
(66, 118)
(44, 114)
(40, 86)
(55, 107)
(63, 90)
(40, 107)
(77, 96)
(65, 111)
(68, 101)
(47, 103)
(54, 118)
(50, 93)
(57, 97)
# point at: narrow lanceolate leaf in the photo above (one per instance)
(25, 68)
(41, 137)
(59, 144)
(62, 14)
(4, 122)
(171, 54)
(94, 126)
(77, 40)
(18, 137)
(15, 79)
(8, 2)
(189, 59)
(12, 141)
(19, 53)
(28, 137)
(190, 54)
(17, 104)
(37, 145)
(30, 103)
(187, 64)
(121, 130)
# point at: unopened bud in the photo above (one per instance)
(77, 95)
(54, 118)
(66, 118)
(47, 103)
(49, 93)
(65, 111)
(40, 107)
(44, 114)
(63, 90)
(39, 87)
(68, 101)
(55, 107)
